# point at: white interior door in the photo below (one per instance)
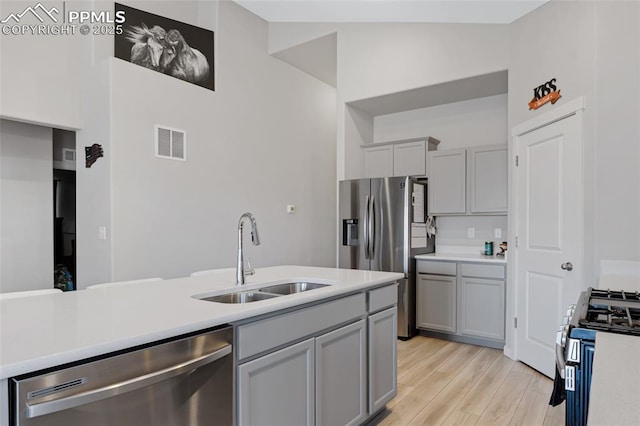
(549, 229)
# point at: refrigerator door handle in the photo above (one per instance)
(372, 227)
(366, 228)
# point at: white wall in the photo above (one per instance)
(596, 54)
(379, 59)
(617, 136)
(565, 51)
(476, 122)
(39, 74)
(264, 139)
(593, 49)
(26, 207)
(62, 139)
(452, 231)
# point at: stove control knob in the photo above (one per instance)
(559, 337)
(565, 333)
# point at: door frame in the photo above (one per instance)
(573, 107)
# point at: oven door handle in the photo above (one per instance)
(125, 386)
(560, 361)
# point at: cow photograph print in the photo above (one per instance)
(170, 47)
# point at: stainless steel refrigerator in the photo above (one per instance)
(382, 228)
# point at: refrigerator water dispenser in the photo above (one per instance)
(350, 232)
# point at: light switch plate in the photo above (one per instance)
(497, 233)
(471, 232)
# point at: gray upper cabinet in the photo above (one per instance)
(447, 181)
(488, 179)
(378, 161)
(410, 159)
(468, 181)
(399, 158)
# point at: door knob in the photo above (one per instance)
(567, 266)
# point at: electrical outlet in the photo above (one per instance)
(497, 233)
(291, 208)
(102, 232)
(471, 232)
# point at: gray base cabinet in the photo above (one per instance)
(341, 376)
(330, 363)
(462, 299)
(383, 356)
(482, 308)
(278, 389)
(436, 302)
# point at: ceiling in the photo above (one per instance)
(433, 11)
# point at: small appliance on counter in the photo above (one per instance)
(503, 249)
(597, 310)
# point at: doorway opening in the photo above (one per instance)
(64, 209)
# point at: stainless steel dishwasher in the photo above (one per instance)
(187, 381)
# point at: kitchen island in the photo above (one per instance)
(48, 331)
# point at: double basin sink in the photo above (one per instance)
(265, 292)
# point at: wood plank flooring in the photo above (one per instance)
(449, 383)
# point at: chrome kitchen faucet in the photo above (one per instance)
(255, 239)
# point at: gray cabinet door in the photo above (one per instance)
(278, 389)
(383, 374)
(378, 161)
(482, 308)
(409, 159)
(488, 179)
(447, 181)
(341, 376)
(436, 302)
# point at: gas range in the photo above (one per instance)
(597, 310)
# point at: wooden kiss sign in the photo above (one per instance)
(547, 92)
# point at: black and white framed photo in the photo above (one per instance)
(167, 46)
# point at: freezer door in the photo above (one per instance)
(354, 201)
(390, 217)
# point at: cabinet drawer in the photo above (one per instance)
(482, 271)
(260, 336)
(383, 297)
(436, 267)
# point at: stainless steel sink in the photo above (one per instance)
(241, 297)
(291, 288)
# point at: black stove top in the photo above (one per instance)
(610, 310)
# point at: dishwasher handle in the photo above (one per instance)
(135, 383)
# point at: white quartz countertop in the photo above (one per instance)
(49, 330)
(615, 381)
(462, 257)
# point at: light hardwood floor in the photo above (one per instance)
(448, 383)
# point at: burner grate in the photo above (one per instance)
(611, 310)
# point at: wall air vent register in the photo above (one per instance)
(170, 143)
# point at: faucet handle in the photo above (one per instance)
(249, 270)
